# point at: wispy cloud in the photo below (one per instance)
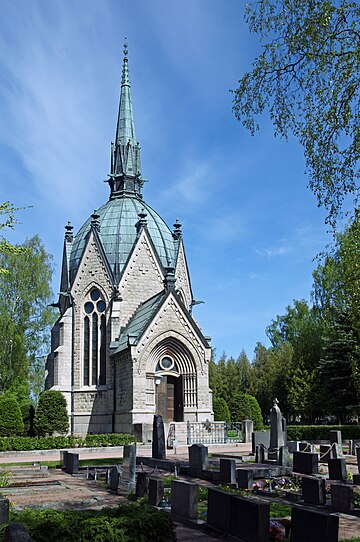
(272, 252)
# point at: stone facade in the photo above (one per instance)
(125, 346)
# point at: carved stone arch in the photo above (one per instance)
(95, 285)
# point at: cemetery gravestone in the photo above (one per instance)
(260, 438)
(337, 469)
(198, 459)
(250, 519)
(313, 490)
(260, 454)
(305, 463)
(141, 484)
(284, 456)
(313, 526)
(184, 499)
(114, 478)
(156, 491)
(227, 471)
(158, 442)
(72, 463)
(219, 509)
(342, 497)
(128, 471)
(276, 431)
(245, 478)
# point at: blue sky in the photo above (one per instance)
(251, 227)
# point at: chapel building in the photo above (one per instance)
(125, 346)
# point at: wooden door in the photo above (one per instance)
(170, 401)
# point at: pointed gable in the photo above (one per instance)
(142, 277)
(93, 268)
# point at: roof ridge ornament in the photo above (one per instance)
(69, 232)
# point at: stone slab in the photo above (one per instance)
(260, 437)
(184, 499)
(156, 491)
(342, 497)
(337, 469)
(313, 526)
(305, 463)
(313, 490)
(227, 471)
(250, 519)
(219, 510)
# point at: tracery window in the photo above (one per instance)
(94, 355)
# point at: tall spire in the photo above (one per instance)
(125, 175)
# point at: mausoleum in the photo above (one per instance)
(126, 346)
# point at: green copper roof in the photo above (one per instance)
(117, 230)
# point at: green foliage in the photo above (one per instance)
(9, 211)
(339, 368)
(11, 422)
(125, 523)
(321, 432)
(240, 408)
(255, 413)
(25, 316)
(59, 442)
(51, 414)
(221, 410)
(307, 76)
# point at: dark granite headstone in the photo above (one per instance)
(198, 459)
(342, 497)
(337, 469)
(141, 484)
(245, 478)
(325, 452)
(219, 510)
(313, 526)
(293, 445)
(72, 463)
(158, 442)
(260, 437)
(16, 532)
(250, 519)
(156, 491)
(313, 490)
(227, 471)
(4, 511)
(306, 463)
(184, 499)
(335, 436)
(114, 478)
(356, 479)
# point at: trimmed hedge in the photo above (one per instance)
(51, 414)
(221, 410)
(17, 444)
(322, 432)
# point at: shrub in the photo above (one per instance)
(11, 422)
(221, 410)
(124, 523)
(51, 414)
(255, 413)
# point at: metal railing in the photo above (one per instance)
(213, 432)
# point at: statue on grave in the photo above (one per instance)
(276, 427)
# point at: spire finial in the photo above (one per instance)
(125, 173)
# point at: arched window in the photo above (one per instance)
(94, 357)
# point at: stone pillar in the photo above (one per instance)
(248, 429)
